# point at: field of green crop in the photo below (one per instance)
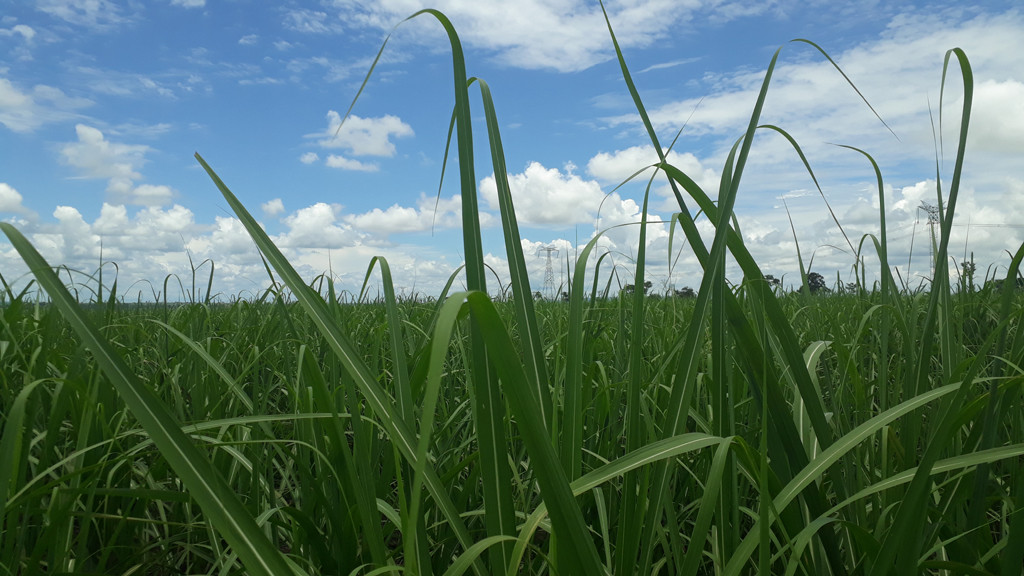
(740, 431)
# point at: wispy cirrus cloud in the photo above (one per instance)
(95, 14)
(565, 36)
(24, 110)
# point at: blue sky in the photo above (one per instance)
(103, 103)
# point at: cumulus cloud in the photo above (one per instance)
(189, 3)
(615, 167)
(429, 214)
(997, 124)
(149, 194)
(273, 207)
(309, 158)
(550, 198)
(249, 39)
(335, 161)
(553, 199)
(363, 136)
(25, 110)
(93, 156)
(317, 226)
(229, 236)
(10, 200)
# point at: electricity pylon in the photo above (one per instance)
(549, 271)
(933, 219)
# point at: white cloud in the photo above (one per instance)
(24, 111)
(249, 39)
(309, 158)
(98, 14)
(363, 136)
(615, 167)
(335, 161)
(26, 32)
(189, 3)
(96, 157)
(429, 213)
(997, 122)
(317, 226)
(310, 22)
(10, 200)
(809, 98)
(141, 130)
(128, 84)
(549, 198)
(899, 72)
(273, 207)
(149, 194)
(230, 237)
(568, 35)
(22, 51)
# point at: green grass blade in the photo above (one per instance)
(533, 347)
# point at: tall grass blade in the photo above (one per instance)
(533, 355)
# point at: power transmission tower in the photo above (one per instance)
(549, 272)
(933, 219)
